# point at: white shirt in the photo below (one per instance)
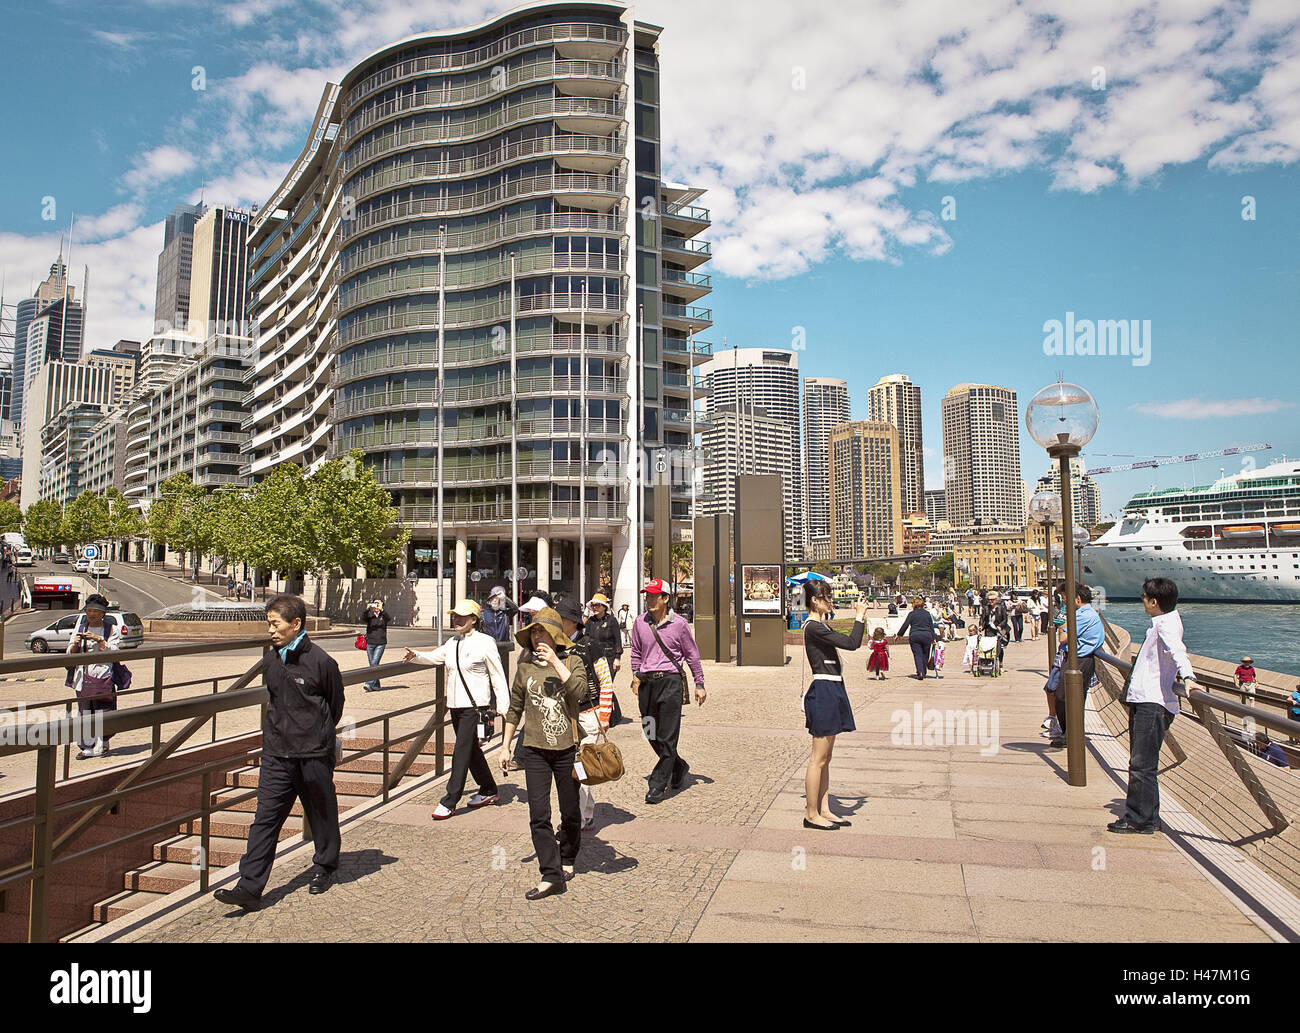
(480, 663)
(1161, 657)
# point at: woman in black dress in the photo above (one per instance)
(825, 703)
(919, 630)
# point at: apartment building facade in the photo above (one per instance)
(866, 490)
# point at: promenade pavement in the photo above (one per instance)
(949, 841)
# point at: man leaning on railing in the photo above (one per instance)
(1152, 704)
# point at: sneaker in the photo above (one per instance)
(442, 813)
(100, 749)
(1047, 722)
(479, 800)
(589, 822)
(85, 754)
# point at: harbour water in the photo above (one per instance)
(1269, 635)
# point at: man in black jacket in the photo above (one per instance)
(298, 744)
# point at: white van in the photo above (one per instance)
(23, 558)
(98, 568)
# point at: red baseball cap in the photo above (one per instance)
(655, 586)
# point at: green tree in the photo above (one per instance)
(277, 522)
(11, 517)
(86, 520)
(43, 524)
(351, 519)
(125, 523)
(171, 521)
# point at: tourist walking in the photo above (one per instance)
(625, 622)
(1152, 704)
(1244, 678)
(95, 685)
(1035, 608)
(661, 644)
(376, 619)
(299, 747)
(825, 702)
(476, 692)
(604, 629)
(995, 620)
(547, 693)
(594, 710)
(1016, 610)
(1089, 636)
(918, 629)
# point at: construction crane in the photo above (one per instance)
(1147, 464)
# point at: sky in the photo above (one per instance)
(896, 187)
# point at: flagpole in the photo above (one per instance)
(514, 449)
(439, 618)
(582, 456)
(640, 457)
(690, 381)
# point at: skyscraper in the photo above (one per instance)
(896, 400)
(935, 508)
(765, 445)
(866, 490)
(762, 380)
(1085, 496)
(515, 164)
(57, 339)
(981, 447)
(171, 309)
(825, 406)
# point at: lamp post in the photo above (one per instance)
(1081, 538)
(1045, 509)
(1062, 418)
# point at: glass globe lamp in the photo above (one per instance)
(1062, 416)
(1045, 508)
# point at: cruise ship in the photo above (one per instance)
(1236, 540)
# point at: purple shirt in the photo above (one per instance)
(647, 657)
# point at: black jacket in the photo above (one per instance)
(586, 648)
(921, 624)
(377, 628)
(306, 702)
(605, 634)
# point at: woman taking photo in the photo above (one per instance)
(376, 618)
(548, 690)
(918, 628)
(825, 704)
(475, 682)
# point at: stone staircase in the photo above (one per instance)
(175, 863)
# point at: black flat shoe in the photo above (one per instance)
(677, 782)
(821, 828)
(551, 889)
(238, 898)
(654, 796)
(320, 883)
(843, 822)
(1126, 827)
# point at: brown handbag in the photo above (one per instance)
(601, 760)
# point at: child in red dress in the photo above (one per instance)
(879, 659)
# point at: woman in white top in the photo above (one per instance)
(94, 632)
(475, 681)
(1035, 614)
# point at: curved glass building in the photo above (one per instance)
(488, 201)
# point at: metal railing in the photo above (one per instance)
(50, 851)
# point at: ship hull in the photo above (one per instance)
(1211, 577)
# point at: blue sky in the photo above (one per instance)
(827, 136)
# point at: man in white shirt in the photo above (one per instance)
(1152, 704)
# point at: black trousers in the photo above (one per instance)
(541, 768)
(660, 700)
(281, 780)
(467, 759)
(1088, 668)
(920, 653)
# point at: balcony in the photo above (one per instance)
(684, 219)
(686, 317)
(535, 510)
(690, 253)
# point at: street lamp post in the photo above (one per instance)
(1062, 418)
(1081, 538)
(1045, 509)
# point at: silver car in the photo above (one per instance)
(54, 637)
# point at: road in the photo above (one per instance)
(136, 590)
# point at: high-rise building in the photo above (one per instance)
(41, 332)
(219, 274)
(171, 310)
(825, 406)
(895, 399)
(63, 473)
(24, 313)
(516, 164)
(56, 385)
(866, 490)
(6, 390)
(935, 508)
(122, 369)
(1085, 495)
(103, 463)
(767, 380)
(981, 447)
(765, 443)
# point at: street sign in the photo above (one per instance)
(90, 552)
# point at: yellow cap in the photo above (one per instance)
(467, 608)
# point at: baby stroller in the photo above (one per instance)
(986, 658)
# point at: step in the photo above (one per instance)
(123, 903)
(346, 783)
(182, 849)
(374, 764)
(77, 934)
(235, 825)
(362, 742)
(160, 877)
(219, 799)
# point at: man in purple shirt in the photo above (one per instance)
(657, 679)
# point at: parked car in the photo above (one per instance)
(81, 565)
(98, 568)
(61, 557)
(54, 637)
(23, 558)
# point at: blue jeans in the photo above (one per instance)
(1147, 725)
(373, 653)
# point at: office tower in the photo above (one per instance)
(522, 161)
(6, 390)
(895, 399)
(122, 369)
(765, 446)
(765, 379)
(825, 405)
(56, 338)
(1085, 496)
(55, 385)
(219, 274)
(866, 490)
(981, 447)
(935, 508)
(171, 310)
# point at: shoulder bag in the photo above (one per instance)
(686, 692)
(601, 760)
(487, 716)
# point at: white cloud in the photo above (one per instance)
(122, 40)
(1219, 409)
(158, 166)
